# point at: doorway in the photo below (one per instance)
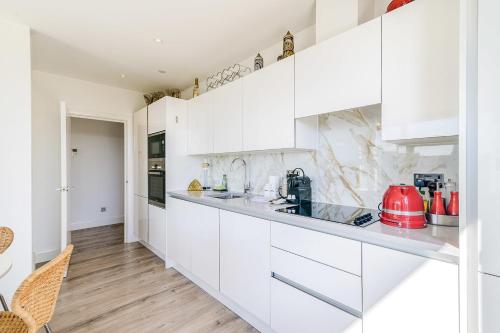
(96, 165)
(96, 173)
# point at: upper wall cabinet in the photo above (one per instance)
(340, 73)
(141, 152)
(157, 114)
(200, 124)
(268, 107)
(227, 115)
(420, 70)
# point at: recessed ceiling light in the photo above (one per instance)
(162, 71)
(123, 76)
(158, 40)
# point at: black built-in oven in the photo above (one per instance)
(156, 182)
(156, 145)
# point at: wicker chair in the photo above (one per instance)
(11, 322)
(6, 238)
(37, 295)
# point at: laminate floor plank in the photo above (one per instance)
(117, 287)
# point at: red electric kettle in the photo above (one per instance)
(403, 207)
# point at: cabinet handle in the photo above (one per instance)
(319, 296)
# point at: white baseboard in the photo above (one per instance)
(96, 223)
(43, 256)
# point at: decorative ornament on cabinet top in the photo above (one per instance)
(227, 75)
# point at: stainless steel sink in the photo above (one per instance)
(227, 196)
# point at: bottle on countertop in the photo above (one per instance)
(205, 169)
(224, 182)
(424, 192)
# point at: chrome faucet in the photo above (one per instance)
(246, 187)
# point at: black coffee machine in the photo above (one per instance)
(298, 187)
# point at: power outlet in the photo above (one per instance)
(103, 209)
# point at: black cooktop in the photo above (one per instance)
(356, 216)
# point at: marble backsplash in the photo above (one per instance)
(352, 165)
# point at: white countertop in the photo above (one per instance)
(433, 241)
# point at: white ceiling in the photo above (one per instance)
(98, 40)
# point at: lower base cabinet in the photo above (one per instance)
(193, 239)
(489, 300)
(141, 222)
(294, 311)
(245, 262)
(407, 293)
(157, 229)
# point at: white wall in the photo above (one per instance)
(81, 96)
(302, 39)
(97, 173)
(15, 150)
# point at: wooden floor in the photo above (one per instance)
(116, 287)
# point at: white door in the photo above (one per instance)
(488, 303)
(157, 113)
(420, 51)
(245, 268)
(407, 293)
(141, 152)
(64, 187)
(205, 243)
(200, 125)
(178, 232)
(341, 73)
(157, 229)
(227, 113)
(268, 107)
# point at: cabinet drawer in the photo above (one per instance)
(338, 252)
(294, 311)
(341, 287)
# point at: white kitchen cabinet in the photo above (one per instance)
(420, 70)
(489, 321)
(294, 311)
(200, 125)
(157, 114)
(141, 152)
(193, 239)
(157, 229)
(268, 107)
(341, 73)
(141, 222)
(338, 252)
(205, 243)
(245, 262)
(408, 293)
(227, 118)
(488, 136)
(179, 232)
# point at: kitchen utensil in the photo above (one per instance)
(395, 4)
(453, 206)
(403, 207)
(442, 220)
(437, 207)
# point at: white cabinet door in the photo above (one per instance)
(157, 114)
(407, 293)
(179, 232)
(200, 125)
(268, 107)
(141, 152)
(420, 70)
(488, 136)
(245, 262)
(141, 222)
(157, 229)
(489, 299)
(205, 243)
(294, 311)
(227, 115)
(341, 73)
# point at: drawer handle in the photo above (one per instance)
(319, 296)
